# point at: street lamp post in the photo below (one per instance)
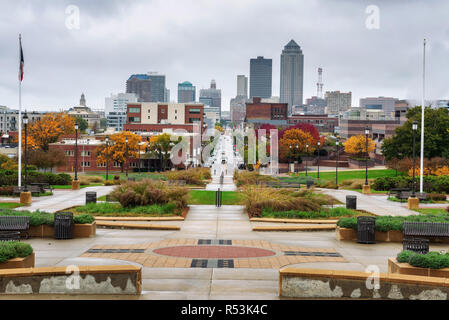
(318, 175)
(25, 196)
(366, 188)
(336, 164)
(289, 157)
(25, 122)
(127, 157)
(413, 201)
(307, 154)
(107, 145)
(75, 182)
(139, 144)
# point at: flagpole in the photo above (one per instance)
(421, 178)
(20, 124)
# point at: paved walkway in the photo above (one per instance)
(63, 199)
(224, 145)
(375, 204)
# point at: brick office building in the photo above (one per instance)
(259, 112)
(322, 122)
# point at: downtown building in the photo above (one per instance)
(211, 97)
(84, 112)
(292, 75)
(148, 87)
(115, 109)
(260, 77)
(186, 92)
(337, 102)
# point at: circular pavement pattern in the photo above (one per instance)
(214, 252)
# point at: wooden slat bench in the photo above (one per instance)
(425, 229)
(404, 195)
(15, 223)
(33, 189)
(397, 191)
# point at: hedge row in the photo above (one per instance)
(387, 223)
(14, 249)
(9, 178)
(432, 260)
(437, 184)
(38, 218)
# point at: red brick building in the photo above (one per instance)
(322, 122)
(266, 112)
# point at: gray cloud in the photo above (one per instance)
(200, 40)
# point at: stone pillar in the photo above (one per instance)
(413, 203)
(366, 189)
(75, 184)
(25, 198)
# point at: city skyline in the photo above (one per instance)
(369, 63)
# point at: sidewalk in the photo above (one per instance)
(377, 205)
(63, 199)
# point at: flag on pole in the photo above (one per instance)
(21, 60)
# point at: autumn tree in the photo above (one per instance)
(298, 140)
(46, 160)
(160, 146)
(116, 150)
(356, 145)
(48, 129)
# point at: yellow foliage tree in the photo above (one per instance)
(297, 139)
(117, 148)
(357, 145)
(48, 129)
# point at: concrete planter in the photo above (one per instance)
(79, 231)
(405, 268)
(351, 235)
(26, 262)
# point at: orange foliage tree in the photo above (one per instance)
(298, 140)
(117, 148)
(356, 145)
(47, 130)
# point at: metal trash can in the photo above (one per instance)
(417, 245)
(63, 225)
(309, 183)
(351, 202)
(366, 230)
(91, 196)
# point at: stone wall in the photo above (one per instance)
(313, 283)
(72, 280)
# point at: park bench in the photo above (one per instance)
(425, 229)
(15, 223)
(176, 182)
(289, 185)
(42, 185)
(35, 190)
(404, 195)
(396, 191)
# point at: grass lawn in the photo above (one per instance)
(432, 211)
(208, 197)
(343, 175)
(9, 205)
(70, 186)
(116, 210)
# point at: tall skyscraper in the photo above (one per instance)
(242, 85)
(292, 75)
(260, 77)
(157, 87)
(140, 84)
(211, 96)
(186, 92)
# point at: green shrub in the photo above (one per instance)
(83, 219)
(404, 256)
(14, 249)
(6, 191)
(323, 213)
(431, 184)
(436, 196)
(115, 209)
(9, 178)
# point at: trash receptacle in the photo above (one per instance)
(366, 232)
(309, 183)
(351, 202)
(63, 225)
(91, 196)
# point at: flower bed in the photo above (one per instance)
(116, 210)
(16, 254)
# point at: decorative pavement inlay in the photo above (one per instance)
(213, 253)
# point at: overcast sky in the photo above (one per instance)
(200, 40)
